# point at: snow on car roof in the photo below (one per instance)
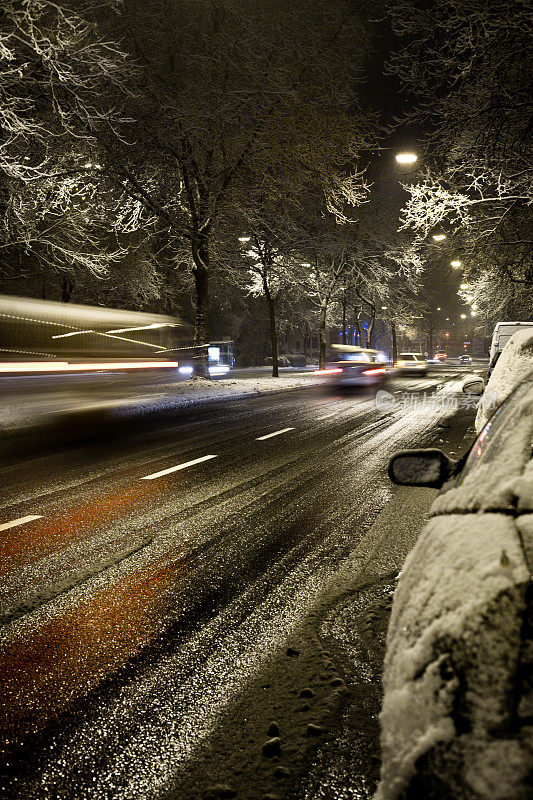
(514, 365)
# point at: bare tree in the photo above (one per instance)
(468, 63)
(226, 85)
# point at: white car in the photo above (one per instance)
(411, 363)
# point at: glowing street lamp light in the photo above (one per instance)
(464, 286)
(439, 308)
(305, 264)
(383, 308)
(244, 238)
(406, 158)
(438, 237)
(473, 313)
(463, 316)
(456, 264)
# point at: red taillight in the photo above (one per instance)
(374, 372)
(326, 371)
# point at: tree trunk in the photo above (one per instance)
(344, 316)
(67, 287)
(306, 342)
(357, 327)
(200, 255)
(322, 338)
(394, 342)
(371, 326)
(273, 334)
(430, 342)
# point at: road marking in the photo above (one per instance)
(327, 416)
(19, 521)
(176, 468)
(276, 433)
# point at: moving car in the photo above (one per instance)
(457, 695)
(356, 366)
(411, 363)
(465, 359)
(441, 356)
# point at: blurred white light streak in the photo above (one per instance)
(73, 333)
(64, 366)
(145, 327)
(176, 468)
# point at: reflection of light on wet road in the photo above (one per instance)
(27, 544)
(44, 671)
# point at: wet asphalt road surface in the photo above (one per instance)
(160, 625)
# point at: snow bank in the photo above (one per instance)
(453, 648)
(513, 366)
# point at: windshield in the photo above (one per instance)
(365, 357)
(410, 357)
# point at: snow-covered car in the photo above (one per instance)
(501, 335)
(458, 695)
(513, 366)
(411, 363)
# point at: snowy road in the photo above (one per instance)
(152, 579)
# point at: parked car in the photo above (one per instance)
(356, 366)
(503, 331)
(457, 682)
(465, 359)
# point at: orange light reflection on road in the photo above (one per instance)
(42, 673)
(23, 545)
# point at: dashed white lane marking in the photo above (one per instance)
(177, 467)
(276, 433)
(327, 416)
(20, 521)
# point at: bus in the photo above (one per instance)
(62, 356)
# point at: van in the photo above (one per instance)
(502, 333)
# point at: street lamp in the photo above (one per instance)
(406, 158)
(463, 316)
(244, 238)
(463, 286)
(456, 264)
(438, 237)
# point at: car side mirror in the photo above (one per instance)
(474, 386)
(429, 467)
